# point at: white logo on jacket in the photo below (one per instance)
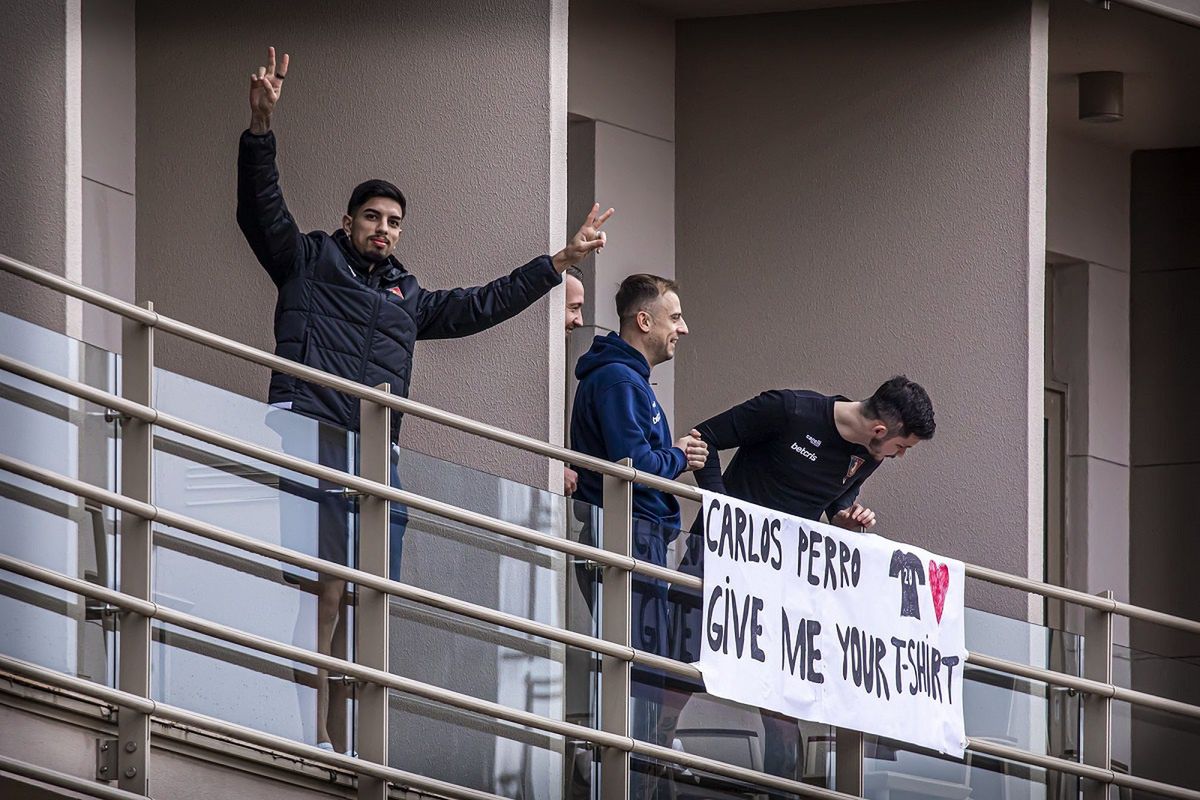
(811, 456)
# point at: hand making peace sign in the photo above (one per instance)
(265, 87)
(587, 239)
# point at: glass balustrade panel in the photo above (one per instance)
(1149, 743)
(468, 563)
(47, 527)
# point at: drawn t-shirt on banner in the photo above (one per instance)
(790, 454)
(908, 568)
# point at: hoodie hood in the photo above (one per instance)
(611, 349)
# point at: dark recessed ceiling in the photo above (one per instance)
(1161, 62)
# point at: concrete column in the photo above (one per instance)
(40, 193)
(109, 175)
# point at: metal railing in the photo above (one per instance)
(137, 608)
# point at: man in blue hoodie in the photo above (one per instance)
(616, 415)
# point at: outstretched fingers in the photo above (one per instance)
(592, 244)
(595, 219)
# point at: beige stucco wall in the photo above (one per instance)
(622, 66)
(39, 133)
(852, 212)
(453, 103)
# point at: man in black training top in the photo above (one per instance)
(805, 454)
(347, 306)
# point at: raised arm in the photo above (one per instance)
(754, 421)
(450, 313)
(261, 212)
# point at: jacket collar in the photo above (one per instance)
(389, 272)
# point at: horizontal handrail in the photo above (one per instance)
(344, 385)
(398, 683)
(327, 758)
(334, 665)
(1083, 599)
(343, 479)
(65, 781)
(350, 764)
(497, 526)
(522, 442)
(152, 416)
(1082, 770)
(349, 574)
(1086, 685)
(485, 614)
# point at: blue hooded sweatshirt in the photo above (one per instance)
(615, 416)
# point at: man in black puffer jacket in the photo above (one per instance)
(347, 306)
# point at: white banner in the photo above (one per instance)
(832, 626)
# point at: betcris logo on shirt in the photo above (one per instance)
(657, 417)
(811, 456)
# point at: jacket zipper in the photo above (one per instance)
(362, 372)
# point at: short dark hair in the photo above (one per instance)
(637, 291)
(904, 404)
(375, 188)
(575, 272)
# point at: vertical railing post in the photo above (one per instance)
(136, 542)
(615, 611)
(371, 632)
(1097, 709)
(848, 765)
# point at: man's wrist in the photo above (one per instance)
(259, 124)
(560, 262)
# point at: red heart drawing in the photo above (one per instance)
(939, 584)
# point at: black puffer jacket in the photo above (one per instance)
(336, 314)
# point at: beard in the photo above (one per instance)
(875, 447)
(372, 256)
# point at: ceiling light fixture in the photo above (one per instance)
(1102, 96)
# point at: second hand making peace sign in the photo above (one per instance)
(589, 238)
(266, 84)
